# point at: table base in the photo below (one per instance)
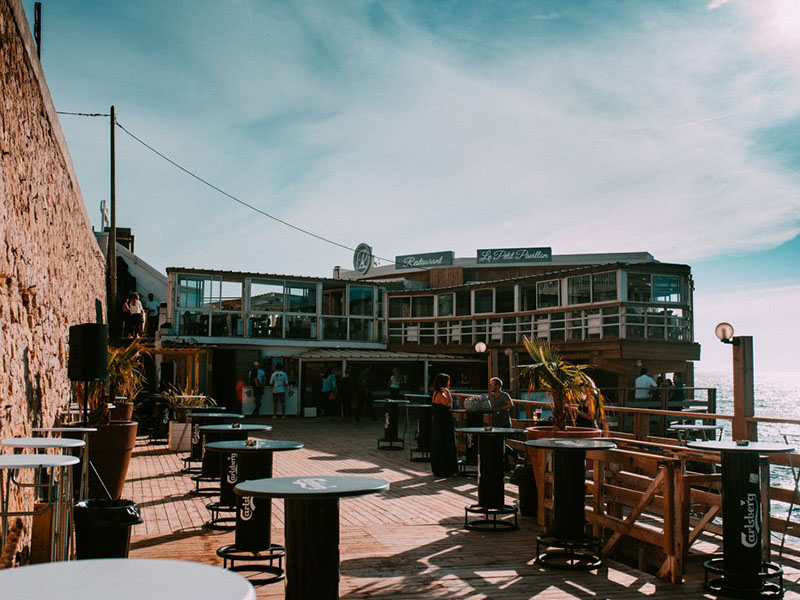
(187, 464)
(467, 468)
(217, 521)
(424, 455)
(206, 491)
(767, 587)
(230, 553)
(573, 554)
(492, 520)
(391, 444)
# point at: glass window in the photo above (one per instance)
(194, 291)
(527, 296)
(422, 306)
(332, 298)
(504, 299)
(230, 295)
(484, 301)
(361, 301)
(266, 295)
(399, 308)
(264, 326)
(604, 287)
(579, 290)
(334, 328)
(547, 294)
(463, 303)
(638, 287)
(361, 330)
(666, 288)
(445, 305)
(301, 297)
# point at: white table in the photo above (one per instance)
(124, 579)
(59, 496)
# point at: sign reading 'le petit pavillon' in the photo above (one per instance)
(419, 261)
(514, 255)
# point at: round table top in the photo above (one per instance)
(130, 578)
(492, 431)
(212, 416)
(41, 442)
(730, 446)
(572, 444)
(689, 427)
(64, 429)
(391, 401)
(36, 461)
(236, 427)
(258, 446)
(311, 486)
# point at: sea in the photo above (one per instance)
(777, 394)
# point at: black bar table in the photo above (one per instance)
(422, 412)
(569, 491)
(473, 420)
(210, 469)
(390, 438)
(491, 480)
(742, 572)
(198, 419)
(242, 461)
(312, 527)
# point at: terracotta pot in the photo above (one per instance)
(122, 411)
(110, 449)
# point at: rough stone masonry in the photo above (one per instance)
(51, 269)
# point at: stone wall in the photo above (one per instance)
(51, 270)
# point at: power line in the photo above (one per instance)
(238, 200)
(80, 114)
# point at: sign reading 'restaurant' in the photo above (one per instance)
(514, 255)
(421, 261)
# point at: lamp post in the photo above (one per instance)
(743, 388)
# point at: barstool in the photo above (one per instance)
(58, 488)
(83, 488)
(199, 418)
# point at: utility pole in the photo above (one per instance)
(111, 255)
(37, 28)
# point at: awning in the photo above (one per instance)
(381, 355)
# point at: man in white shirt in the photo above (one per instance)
(151, 306)
(644, 385)
(279, 380)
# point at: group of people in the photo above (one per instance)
(278, 380)
(444, 458)
(647, 388)
(348, 397)
(138, 317)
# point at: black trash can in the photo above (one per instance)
(523, 477)
(103, 527)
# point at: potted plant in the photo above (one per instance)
(181, 401)
(570, 388)
(110, 447)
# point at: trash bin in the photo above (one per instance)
(523, 477)
(103, 527)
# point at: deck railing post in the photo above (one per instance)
(743, 394)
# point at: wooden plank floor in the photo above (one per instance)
(407, 543)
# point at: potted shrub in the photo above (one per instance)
(110, 447)
(181, 401)
(570, 389)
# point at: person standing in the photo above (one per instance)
(136, 310)
(347, 393)
(444, 460)
(644, 385)
(500, 403)
(151, 306)
(395, 381)
(328, 393)
(256, 378)
(364, 395)
(678, 393)
(279, 380)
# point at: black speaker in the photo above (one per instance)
(88, 352)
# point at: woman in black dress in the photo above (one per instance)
(444, 461)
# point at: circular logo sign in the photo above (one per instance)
(362, 259)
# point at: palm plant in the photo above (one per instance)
(183, 400)
(569, 384)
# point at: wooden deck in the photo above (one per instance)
(407, 543)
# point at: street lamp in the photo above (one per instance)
(724, 332)
(480, 347)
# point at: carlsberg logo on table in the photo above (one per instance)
(514, 255)
(417, 261)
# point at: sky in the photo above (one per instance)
(419, 126)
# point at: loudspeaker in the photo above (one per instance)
(88, 352)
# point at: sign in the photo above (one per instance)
(421, 261)
(362, 259)
(493, 256)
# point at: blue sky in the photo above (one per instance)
(421, 126)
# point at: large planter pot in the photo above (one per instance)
(110, 449)
(122, 411)
(180, 436)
